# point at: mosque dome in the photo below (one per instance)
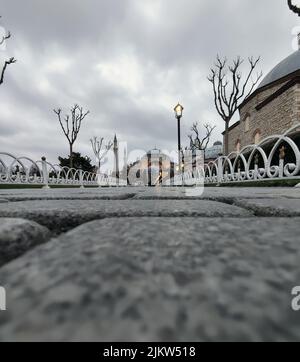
(288, 66)
(218, 143)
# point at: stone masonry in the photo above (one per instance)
(276, 117)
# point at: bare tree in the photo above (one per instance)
(7, 62)
(196, 141)
(72, 125)
(100, 149)
(230, 92)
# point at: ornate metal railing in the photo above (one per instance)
(24, 171)
(276, 157)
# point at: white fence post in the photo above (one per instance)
(281, 161)
(256, 160)
(81, 178)
(18, 177)
(45, 174)
(255, 172)
(220, 170)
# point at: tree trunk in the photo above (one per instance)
(226, 138)
(71, 156)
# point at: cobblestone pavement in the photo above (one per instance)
(149, 264)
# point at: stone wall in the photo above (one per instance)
(274, 118)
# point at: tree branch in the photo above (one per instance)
(73, 122)
(198, 143)
(6, 64)
(5, 37)
(230, 89)
(100, 150)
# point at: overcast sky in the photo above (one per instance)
(129, 62)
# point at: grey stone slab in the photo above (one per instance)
(251, 193)
(17, 236)
(157, 279)
(156, 193)
(68, 194)
(220, 193)
(2, 201)
(152, 193)
(279, 207)
(63, 215)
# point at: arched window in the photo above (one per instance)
(247, 123)
(238, 146)
(257, 137)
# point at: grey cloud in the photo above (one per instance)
(129, 62)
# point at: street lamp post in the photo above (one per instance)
(178, 114)
(293, 7)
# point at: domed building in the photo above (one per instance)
(273, 108)
(214, 152)
(153, 168)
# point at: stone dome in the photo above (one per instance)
(218, 143)
(289, 65)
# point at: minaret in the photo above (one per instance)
(124, 173)
(116, 152)
(125, 157)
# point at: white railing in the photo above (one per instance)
(266, 161)
(24, 171)
(104, 180)
(276, 157)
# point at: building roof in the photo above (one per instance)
(289, 65)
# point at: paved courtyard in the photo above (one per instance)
(136, 264)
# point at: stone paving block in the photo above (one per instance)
(157, 279)
(62, 215)
(68, 194)
(279, 207)
(237, 193)
(18, 236)
(150, 193)
(158, 193)
(219, 193)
